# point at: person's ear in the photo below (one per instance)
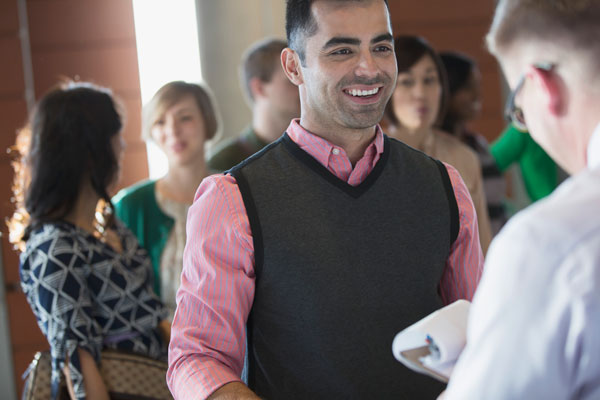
(257, 87)
(290, 61)
(550, 84)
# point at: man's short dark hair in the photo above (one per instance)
(300, 23)
(260, 61)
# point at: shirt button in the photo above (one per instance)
(335, 151)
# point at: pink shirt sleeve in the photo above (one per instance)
(217, 289)
(464, 265)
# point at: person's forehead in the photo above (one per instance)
(351, 19)
(187, 102)
(512, 68)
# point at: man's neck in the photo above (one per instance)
(353, 141)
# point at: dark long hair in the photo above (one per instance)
(70, 142)
(458, 69)
(409, 51)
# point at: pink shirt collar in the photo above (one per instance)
(333, 157)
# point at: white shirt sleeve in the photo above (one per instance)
(534, 326)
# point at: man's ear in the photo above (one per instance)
(551, 85)
(290, 61)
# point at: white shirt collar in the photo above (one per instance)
(593, 152)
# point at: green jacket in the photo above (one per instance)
(540, 173)
(137, 207)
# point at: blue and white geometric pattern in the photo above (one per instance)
(86, 295)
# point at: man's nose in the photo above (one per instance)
(367, 66)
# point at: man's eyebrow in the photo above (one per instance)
(341, 40)
(385, 37)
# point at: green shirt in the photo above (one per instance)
(233, 151)
(540, 174)
(137, 207)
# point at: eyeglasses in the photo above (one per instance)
(514, 113)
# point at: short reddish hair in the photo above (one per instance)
(576, 22)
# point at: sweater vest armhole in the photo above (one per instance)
(252, 214)
(257, 241)
(452, 204)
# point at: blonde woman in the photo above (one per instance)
(180, 118)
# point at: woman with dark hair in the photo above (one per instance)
(85, 276)
(180, 118)
(416, 110)
(464, 83)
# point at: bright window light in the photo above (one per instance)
(167, 46)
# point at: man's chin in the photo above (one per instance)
(364, 120)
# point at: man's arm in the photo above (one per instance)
(234, 391)
(207, 344)
(464, 265)
(530, 332)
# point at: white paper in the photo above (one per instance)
(447, 327)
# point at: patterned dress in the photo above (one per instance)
(86, 295)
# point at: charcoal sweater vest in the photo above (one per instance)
(341, 269)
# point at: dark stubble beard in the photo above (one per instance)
(368, 115)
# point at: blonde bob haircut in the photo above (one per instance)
(173, 92)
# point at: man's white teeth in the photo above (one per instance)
(359, 93)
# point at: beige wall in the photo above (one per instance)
(226, 28)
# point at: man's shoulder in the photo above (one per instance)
(567, 217)
(230, 152)
(399, 146)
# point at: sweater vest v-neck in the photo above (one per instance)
(341, 269)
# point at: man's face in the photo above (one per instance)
(350, 68)
(545, 127)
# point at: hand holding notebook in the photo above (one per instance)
(432, 345)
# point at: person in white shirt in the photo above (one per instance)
(534, 327)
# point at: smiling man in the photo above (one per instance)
(326, 243)
(534, 327)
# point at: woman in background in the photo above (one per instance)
(464, 84)
(180, 118)
(414, 114)
(85, 276)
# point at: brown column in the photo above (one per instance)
(92, 41)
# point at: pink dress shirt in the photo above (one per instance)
(217, 284)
